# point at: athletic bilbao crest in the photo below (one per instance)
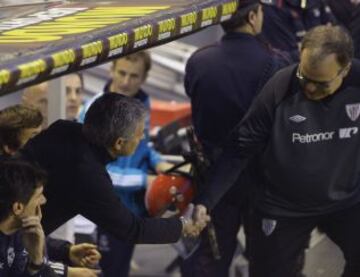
(353, 111)
(268, 226)
(10, 256)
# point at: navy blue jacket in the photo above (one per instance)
(285, 22)
(222, 80)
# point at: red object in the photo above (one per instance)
(163, 112)
(166, 191)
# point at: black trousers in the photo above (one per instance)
(277, 243)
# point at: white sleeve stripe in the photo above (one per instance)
(123, 180)
(57, 266)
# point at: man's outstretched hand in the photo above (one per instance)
(194, 220)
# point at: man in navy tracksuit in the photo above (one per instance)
(305, 127)
(221, 81)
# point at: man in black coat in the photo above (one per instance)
(74, 156)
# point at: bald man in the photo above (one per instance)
(37, 96)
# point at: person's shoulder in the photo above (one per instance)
(204, 52)
(353, 77)
(286, 71)
(91, 100)
(278, 85)
(142, 96)
(13, 240)
(64, 133)
(62, 125)
(356, 64)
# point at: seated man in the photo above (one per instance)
(22, 238)
(17, 125)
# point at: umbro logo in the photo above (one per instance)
(297, 118)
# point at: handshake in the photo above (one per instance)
(194, 220)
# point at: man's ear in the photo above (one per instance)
(252, 17)
(119, 143)
(18, 208)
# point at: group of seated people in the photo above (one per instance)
(24, 249)
(129, 136)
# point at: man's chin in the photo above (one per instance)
(71, 113)
(127, 93)
(315, 96)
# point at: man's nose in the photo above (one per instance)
(72, 95)
(43, 200)
(310, 87)
(126, 80)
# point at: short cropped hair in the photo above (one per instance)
(18, 182)
(240, 17)
(141, 55)
(13, 120)
(111, 116)
(327, 40)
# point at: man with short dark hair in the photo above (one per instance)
(305, 127)
(75, 155)
(22, 240)
(129, 73)
(222, 80)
